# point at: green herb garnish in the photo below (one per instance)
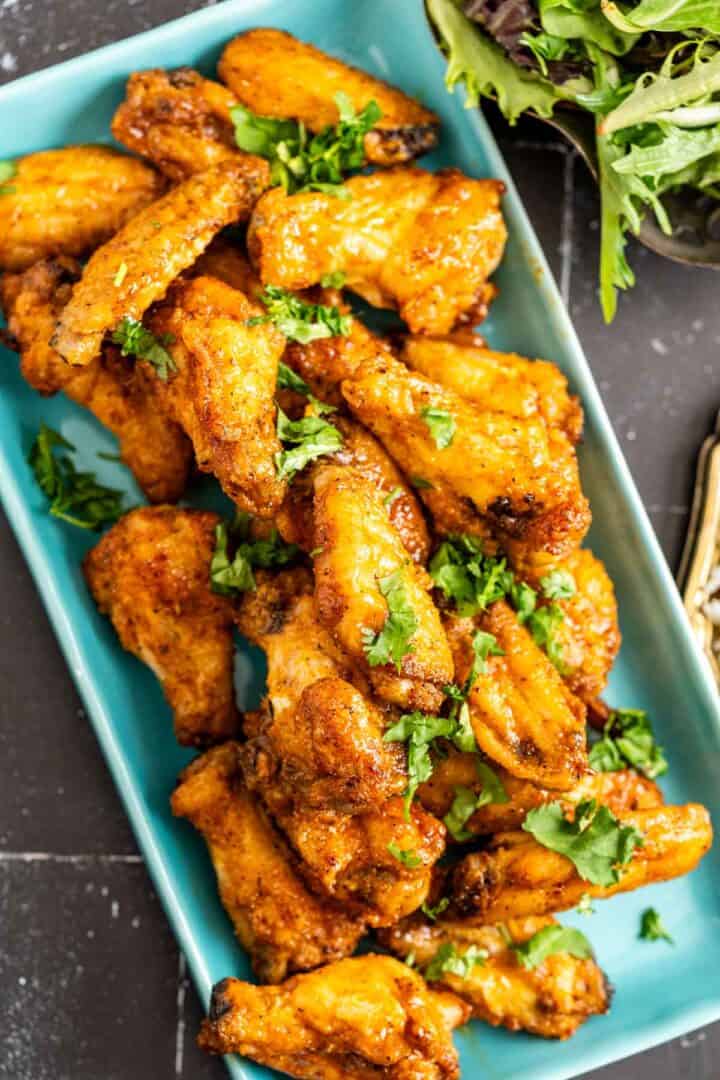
(597, 844)
(585, 905)
(419, 730)
(334, 280)
(432, 911)
(391, 644)
(75, 497)
(287, 379)
(135, 340)
(408, 858)
(390, 498)
(651, 927)
(299, 320)
(441, 425)
(551, 940)
(466, 801)
(558, 585)
(628, 741)
(304, 441)
(8, 169)
(448, 961)
(231, 575)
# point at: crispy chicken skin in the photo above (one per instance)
(67, 202)
(284, 927)
(150, 574)
(516, 876)
(357, 548)
(223, 391)
(422, 243)
(365, 1017)
(152, 446)
(551, 1000)
(229, 263)
(621, 791)
(494, 380)
(134, 269)
(274, 74)
(516, 480)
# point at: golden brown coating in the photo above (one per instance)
(516, 876)
(67, 202)
(362, 1018)
(283, 926)
(134, 269)
(422, 243)
(524, 716)
(358, 550)
(621, 791)
(150, 574)
(152, 445)
(229, 263)
(517, 480)
(551, 1000)
(223, 391)
(502, 382)
(274, 74)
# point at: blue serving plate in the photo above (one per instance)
(660, 991)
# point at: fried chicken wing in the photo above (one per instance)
(516, 480)
(365, 1017)
(422, 243)
(152, 445)
(274, 74)
(150, 574)
(551, 1000)
(516, 876)
(502, 382)
(523, 715)
(358, 551)
(134, 269)
(229, 263)
(223, 390)
(67, 202)
(283, 926)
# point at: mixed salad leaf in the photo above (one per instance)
(649, 72)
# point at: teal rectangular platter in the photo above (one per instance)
(660, 991)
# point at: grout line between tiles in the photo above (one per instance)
(567, 227)
(182, 983)
(51, 857)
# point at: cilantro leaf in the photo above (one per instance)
(75, 497)
(432, 912)
(419, 730)
(468, 577)
(448, 961)
(231, 576)
(408, 858)
(334, 280)
(287, 379)
(420, 483)
(596, 843)
(651, 927)
(466, 801)
(299, 320)
(483, 645)
(585, 905)
(441, 425)
(390, 498)
(550, 940)
(304, 440)
(8, 169)
(392, 642)
(628, 740)
(543, 624)
(135, 340)
(558, 585)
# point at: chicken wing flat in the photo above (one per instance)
(363, 577)
(552, 1000)
(524, 716)
(502, 382)
(229, 263)
(151, 574)
(422, 243)
(365, 1017)
(134, 269)
(274, 74)
(283, 926)
(223, 390)
(67, 202)
(152, 445)
(515, 480)
(621, 792)
(516, 876)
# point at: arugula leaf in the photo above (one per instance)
(287, 379)
(8, 169)
(628, 740)
(596, 843)
(551, 940)
(392, 642)
(334, 280)
(651, 927)
(448, 961)
(299, 320)
(135, 340)
(441, 425)
(409, 859)
(558, 585)
(75, 497)
(432, 912)
(231, 576)
(305, 440)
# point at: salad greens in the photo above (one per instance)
(649, 72)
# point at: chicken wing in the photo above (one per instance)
(152, 445)
(502, 382)
(523, 715)
(229, 263)
(422, 243)
(283, 926)
(151, 574)
(364, 1017)
(366, 586)
(516, 876)
(274, 74)
(133, 269)
(223, 390)
(515, 480)
(67, 202)
(551, 1000)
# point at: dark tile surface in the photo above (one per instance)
(91, 985)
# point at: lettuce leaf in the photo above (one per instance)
(666, 15)
(568, 19)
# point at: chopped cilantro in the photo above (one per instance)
(334, 280)
(432, 911)
(651, 927)
(448, 961)
(466, 802)
(550, 940)
(585, 905)
(299, 320)
(483, 645)
(407, 858)
(558, 585)
(287, 379)
(419, 730)
(75, 497)
(230, 576)
(392, 642)
(392, 496)
(441, 425)
(420, 483)
(8, 169)
(470, 579)
(628, 740)
(543, 624)
(121, 275)
(135, 340)
(303, 441)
